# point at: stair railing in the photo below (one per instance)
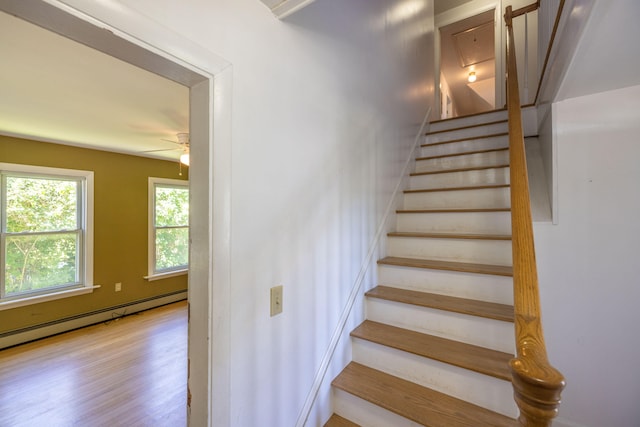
(537, 385)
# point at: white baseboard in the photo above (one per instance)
(22, 336)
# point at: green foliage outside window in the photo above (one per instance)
(42, 233)
(172, 227)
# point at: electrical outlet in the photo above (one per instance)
(118, 287)
(276, 300)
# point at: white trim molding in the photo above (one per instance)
(160, 276)
(84, 257)
(152, 228)
(285, 8)
(36, 299)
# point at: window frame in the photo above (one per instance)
(152, 274)
(84, 250)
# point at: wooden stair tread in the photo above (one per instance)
(464, 153)
(467, 356)
(482, 113)
(419, 404)
(489, 310)
(468, 127)
(474, 187)
(497, 270)
(470, 138)
(338, 421)
(473, 168)
(417, 211)
(449, 235)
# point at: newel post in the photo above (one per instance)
(536, 389)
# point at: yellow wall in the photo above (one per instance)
(120, 228)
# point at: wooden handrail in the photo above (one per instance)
(525, 9)
(537, 385)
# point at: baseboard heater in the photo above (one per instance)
(31, 333)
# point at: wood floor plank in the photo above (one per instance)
(476, 187)
(475, 358)
(489, 310)
(451, 119)
(475, 168)
(419, 404)
(128, 371)
(476, 125)
(498, 270)
(418, 211)
(470, 138)
(338, 421)
(449, 235)
(463, 153)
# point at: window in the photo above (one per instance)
(46, 234)
(168, 227)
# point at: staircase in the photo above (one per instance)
(438, 334)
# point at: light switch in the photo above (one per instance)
(276, 300)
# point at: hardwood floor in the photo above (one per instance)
(126, 372)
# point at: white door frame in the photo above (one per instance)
(209, 174)
(465, 11)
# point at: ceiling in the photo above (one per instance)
(466, 46)
(58, 90)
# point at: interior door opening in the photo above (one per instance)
(78, 26)
(467, 66)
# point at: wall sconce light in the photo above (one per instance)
(472, 77)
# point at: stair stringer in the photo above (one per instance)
(332, 362)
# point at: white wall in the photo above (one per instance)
(446, 98)
(588, 263)
(606, 56)
(547, 13)
(326, 105)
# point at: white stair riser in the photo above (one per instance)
(483, 287)
(478, 251)
(462, 222)
(459, 199)
(490, 333)
(492, 158)
(493, 116)
(365, 413)
(482, 390)
(468, 133)
(464, 146)
(494, 176)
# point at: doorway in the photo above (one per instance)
(133, 38)
(467, 66)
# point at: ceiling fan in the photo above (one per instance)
(183, 144)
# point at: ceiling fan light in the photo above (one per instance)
(472, 77)
(183, 137)
(184, 159)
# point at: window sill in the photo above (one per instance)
(5, 305)
(159, 276)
